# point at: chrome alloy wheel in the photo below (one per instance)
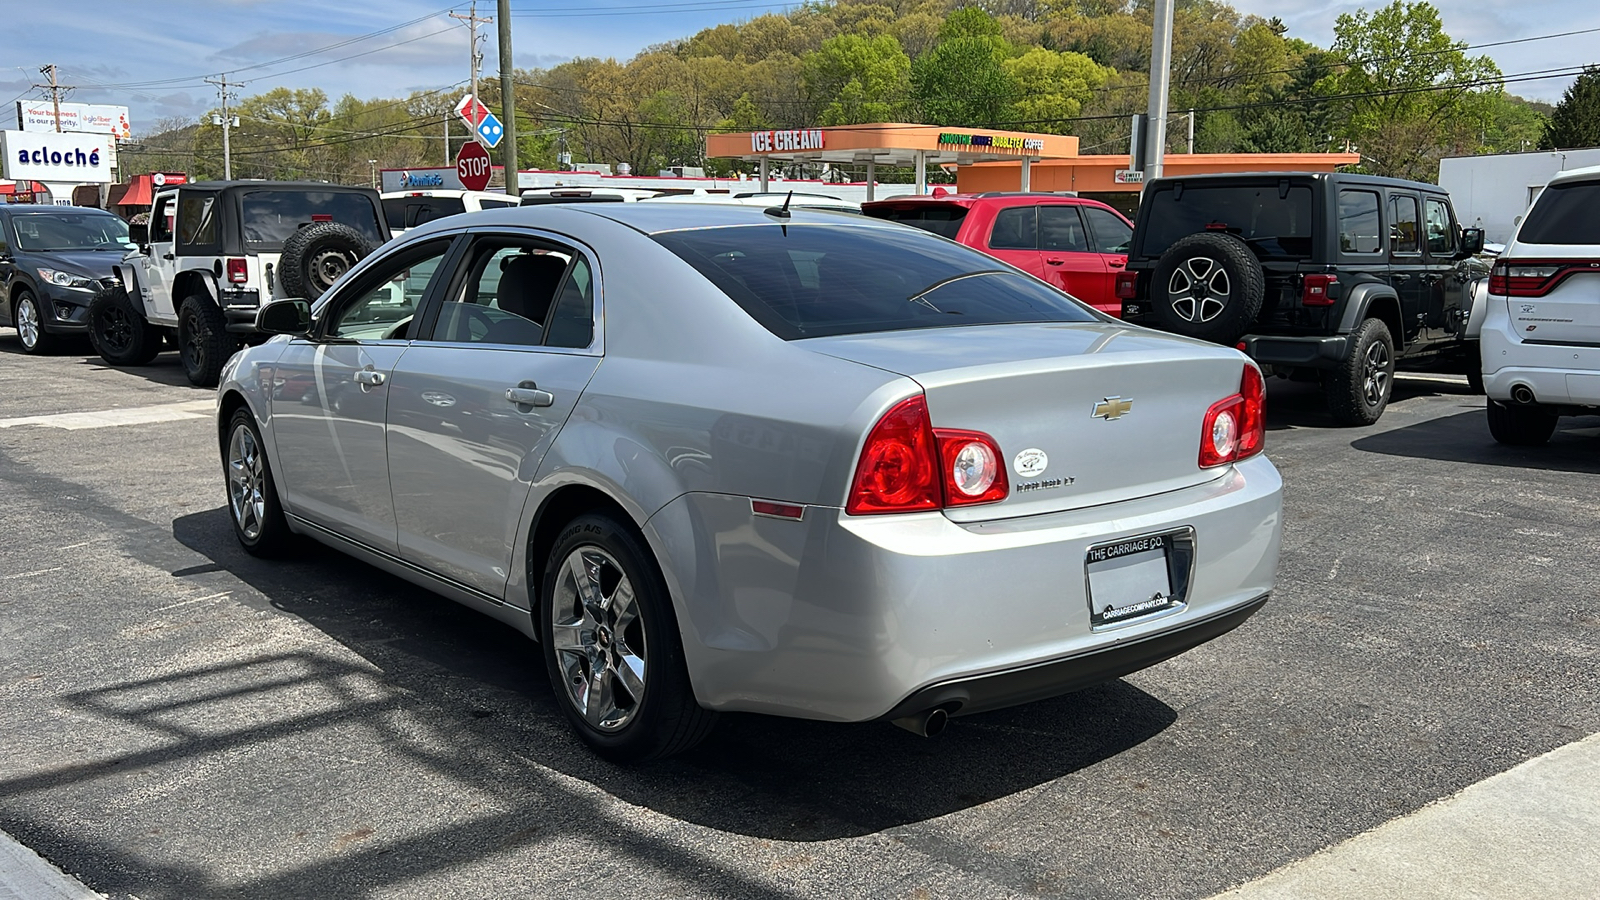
(1375, 374)
(1198, 289)
(246, 482)
(598, 638)
(28, 322)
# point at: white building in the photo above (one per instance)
(1493, 192)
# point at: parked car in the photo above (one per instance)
(53, 261)
(213, 252)
(1541, 325)
(405, 210)
(585, 194)
(715, 458)
(767, 199)
(1328, 277)
(1076, 244)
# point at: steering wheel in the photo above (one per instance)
(398, 330)
(478, 323)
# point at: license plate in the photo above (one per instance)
(1131, 579)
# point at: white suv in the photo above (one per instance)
(1541, 331)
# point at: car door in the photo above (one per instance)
(1069, 264)
(1109, 235)
(159, 265)
(476, 402)
(1408, 268)
(330, 394)
(8, 267)
(1446, 279)
(1014, 238)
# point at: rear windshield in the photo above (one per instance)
(409, 212)
(1270, 224)
(269, 217)
(805, 281)
(943, 219)
(1565, 214)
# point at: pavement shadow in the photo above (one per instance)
(1301, 404)
(756, 775)
(1464, 437)
(164, 369)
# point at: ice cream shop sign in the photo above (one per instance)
(787, 141)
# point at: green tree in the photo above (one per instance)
(854, 79)
(1052, 88)
(963, 80)
(1576, 119)
(1409, 88)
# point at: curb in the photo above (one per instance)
(25, 875)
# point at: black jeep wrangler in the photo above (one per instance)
(1316, 276)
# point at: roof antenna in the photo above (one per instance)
(781, 212)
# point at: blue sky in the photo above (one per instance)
(153, 58)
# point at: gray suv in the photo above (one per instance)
(1326, 277)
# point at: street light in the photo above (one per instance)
(374, 164)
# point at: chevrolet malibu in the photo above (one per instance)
(779, 461)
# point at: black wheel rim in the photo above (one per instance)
(116, 332)
(190, 347)
(326, 267)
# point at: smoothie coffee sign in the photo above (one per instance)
(990, 141)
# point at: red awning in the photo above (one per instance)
(138, 193)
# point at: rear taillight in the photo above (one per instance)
(1127, 285)
(237, 274)
(908, 466)
(1318, 290)
(1511, 278)
(1235, 427)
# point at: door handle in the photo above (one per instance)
(1116, 263)
(1056, 262)
(528, 394)
(1400, 277)
(1432, 279)
(166, 256)
(369, 378)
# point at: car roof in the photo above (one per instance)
(973, 199)
(262, 183)
(654, 218)
(1331, 177)
(36, 209)
(1587, 173)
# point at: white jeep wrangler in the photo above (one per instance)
(214, 252)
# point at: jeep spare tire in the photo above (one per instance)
(1208, 286)
(316, 256)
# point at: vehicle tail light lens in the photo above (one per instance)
(972, 469)
(236, 272)
(1318, 290)
(909, 466)
(1235, 427)
(899, 466)
(1127, 285)
(1510, 278)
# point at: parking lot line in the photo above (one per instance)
(106, 418)
(24, 875)
(1526, 833)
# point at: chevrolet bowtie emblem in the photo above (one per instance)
(1112, 408)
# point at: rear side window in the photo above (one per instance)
(1273, 222)
(1358, 222)
(1015, 229)
(1564, 214)
(943, 220)
(1403, 226)
(270, 217)
(805, 281)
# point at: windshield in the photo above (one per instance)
(941, 219)
(1271, 224)
(803, 281)
(270, 217)
(1564, 214)
(70, 231)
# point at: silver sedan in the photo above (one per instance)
(780, 461)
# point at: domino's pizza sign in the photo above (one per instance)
(63, 158)
(485, 123)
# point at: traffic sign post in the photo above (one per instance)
(473, 166)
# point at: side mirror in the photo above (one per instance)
(139, 234)
(1471, 241)
(292, 317)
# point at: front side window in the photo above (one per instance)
(197, 220)
(507, 296)
(1111, 234)
(1403, 233)
(803, 281)
(1441, 237)
(1061, 229)
(1358, 222)
(1015, 228)
(161, 221)
(382, 303)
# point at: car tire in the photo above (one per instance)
(253, 505)
(1208, 286)
(1358, 389)
(28, 319)
(314, 257)
(1520, 426)
(203, 341)
(616, 667)
(119, 333)
(1475, 381)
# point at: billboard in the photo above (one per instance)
(90, 118)
(59, 158)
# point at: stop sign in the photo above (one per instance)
(472, 166)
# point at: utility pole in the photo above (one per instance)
(472, 19)
(1191, 132)
(226, 121)
(1160, 78)
(508, 102)
(55, 90)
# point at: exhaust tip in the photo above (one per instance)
(1523, 394)
(928, 723)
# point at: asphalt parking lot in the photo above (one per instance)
(180, 720)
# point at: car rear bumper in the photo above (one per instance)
(1558, 374)
(849, 618)
(1311, 351)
